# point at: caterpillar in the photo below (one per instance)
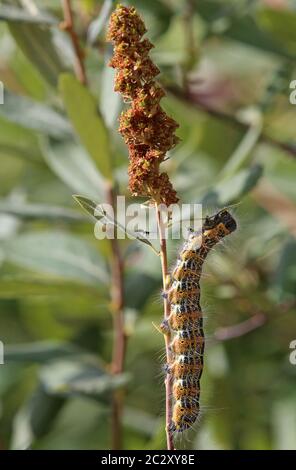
(186, 320)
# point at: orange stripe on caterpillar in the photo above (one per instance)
(175, 296)
(179, 370)
(185, 413)
(186, 321)
(179, 321)
(181, 345)
(181, 271)
(185, 388)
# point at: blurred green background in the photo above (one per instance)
(227, 67)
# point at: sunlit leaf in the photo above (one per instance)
(84, 115)
(12, 13)
(73, 166)
(36, 44)
(35, 418)
(25, 285)
(40, 211)
(98, 212)
(98, 24)
(280, 24)
(81, 377)
(57, 253)
(110, 101)
(231, 190)
(283, 288)
(40, 352)
(34, 115)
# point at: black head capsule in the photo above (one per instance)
(223, 217)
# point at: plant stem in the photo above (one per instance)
(68, 25)
(119, 338)
(256, 321)
(167, 337)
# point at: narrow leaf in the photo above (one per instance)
(83, 113)
(35, 418)
(74, 167)
(98, 24)
(37, 45)
(34, 115)
(83, 377)
(57, 253)
(40, 352)
(231, 190)
(97, 212)
(12, 13)
(23, 285)
(40, 212)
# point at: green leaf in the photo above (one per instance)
(37, 45)
(40, 212)
(33, 115)
(7, 150)
(40, 351)
(83, 377)
(283, 415)
(284, 286)
(98, 24)
(97, 212)
(140, 421)
(243, 151)
(16, 141)
(138, 288)
(245, 30)
(12, 13)
(35, 418)
(281, 24)
(22, 285)
(83, 113)
(88, 205)
(110, 101)
(74, 167)
(231, 190)
(57, 253)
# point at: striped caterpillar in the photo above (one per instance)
(186, 321)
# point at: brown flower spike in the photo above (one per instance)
(147, 130)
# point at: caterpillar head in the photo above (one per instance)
(223, 220)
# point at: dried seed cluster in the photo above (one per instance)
(147, 130)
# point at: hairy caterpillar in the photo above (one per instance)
(186, 320)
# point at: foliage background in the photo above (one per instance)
(227, 66)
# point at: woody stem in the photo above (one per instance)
(119, 338)
(167, 337)
(68, 25)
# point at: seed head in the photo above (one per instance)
(147, 130)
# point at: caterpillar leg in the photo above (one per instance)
(171, 427)
(168, 369)
(163, 328)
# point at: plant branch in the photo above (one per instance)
(119, 339)
(241, 329)
(167, 337)
(68, 25)
(255, 321)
